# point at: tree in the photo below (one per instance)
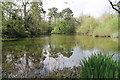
(44, 12)
(8, 9)
(53, 13)
(59, 15)
(34, 18)
(88, 25)
(12, 23)
(25, 12)
(67, 13)
(115, 6)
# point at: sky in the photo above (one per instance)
(92, 7)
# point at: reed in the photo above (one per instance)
(99, 66)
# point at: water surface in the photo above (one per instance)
(33, 57)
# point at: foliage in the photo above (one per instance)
(88, 26)
(52, 13)
(16, 24)
(21, 21)
(14, 28)
(64, 26)
(33, 19)
(106, 25)
(67, 13)
(82, 18)
(109, 27)
(12, 24)
(99, 66)
(45, 27)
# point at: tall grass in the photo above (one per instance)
(99, 66)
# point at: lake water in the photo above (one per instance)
(33, 57)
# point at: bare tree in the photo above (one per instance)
(115, 6)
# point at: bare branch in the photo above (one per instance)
(114, 7)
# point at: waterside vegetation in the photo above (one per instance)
(98, 65)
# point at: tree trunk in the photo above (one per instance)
(25, 14)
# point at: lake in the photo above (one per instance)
(34, 57)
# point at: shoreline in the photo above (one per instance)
(82, 34)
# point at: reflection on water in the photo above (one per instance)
(33, 57)
(52, 64)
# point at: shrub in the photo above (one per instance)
(109, 28)
(13, 28)
(88, 25)
(99, 66)
(64, 26)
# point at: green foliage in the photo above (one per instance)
(45, 27)
(52, 14)
(64, 26)
(99, 66)
(88, 25)
(109, 28)
(107, 25)
(65, 23)
(67, 13)
(82, 18)
(13, 28)
(25, 22)
(33, 19)
(30, 24)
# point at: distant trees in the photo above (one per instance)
(12, 23)
(23, 20)
(106, 25)
(67, 13)
(108, 28)
(65, 23)
(34, 18)
(64, 27)
(88, 25)
(52, 14)
(28, 19)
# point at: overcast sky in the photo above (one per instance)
(92, 7)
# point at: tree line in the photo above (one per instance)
(29, 19)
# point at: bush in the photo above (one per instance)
(88, 26)
(45, 27)
(99, 66)
(13, 28)
(108, 28)
(64, 26)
